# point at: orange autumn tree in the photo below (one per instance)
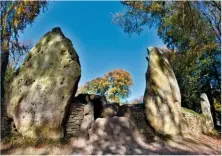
(115, 85)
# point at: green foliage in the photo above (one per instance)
(115, 85)
(8, 75)
(97, 86)
(191, 31)
(190, 111)
(214, 132)
(194, 76)
(217, 105)
(179, 24)
(15, 16)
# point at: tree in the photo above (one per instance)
(115, 85)
(177, 23)
(15, 16)
(16, 60)
(191, 29)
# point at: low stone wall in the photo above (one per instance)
(81, 116)
(194, 123)
(83, 111)
(138, 117)
(75, 118)
(135, 113)
(78, 112)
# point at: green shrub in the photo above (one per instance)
(8, 75)
(217, 105)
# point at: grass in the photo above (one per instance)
(191, 111)
(213, 133)
(16, 140)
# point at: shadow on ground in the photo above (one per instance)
(119, 135)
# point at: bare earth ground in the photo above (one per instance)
(188, 145)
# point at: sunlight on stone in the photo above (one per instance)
(138, 151)
(49, 105)
(56, 38)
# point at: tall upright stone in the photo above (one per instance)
(38, 96)
(205, 107)
(162, 97)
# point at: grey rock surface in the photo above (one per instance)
(43, 86)
(110, 110)
(206, 111)
(162, 97)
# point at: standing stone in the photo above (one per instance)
(110, 110)
(205, 107)
(41, 90)
(124, 111)
(162, 97)
(88, 116)
(86, 124)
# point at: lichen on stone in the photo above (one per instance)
(46, 82)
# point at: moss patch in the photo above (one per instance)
(44, 85)
(191, 111)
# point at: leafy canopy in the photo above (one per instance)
(15, 17)
(191, 31)
(115, 85)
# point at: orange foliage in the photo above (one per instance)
(15, 16)
(115, 85)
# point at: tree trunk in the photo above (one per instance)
(4, 63)
(5, 124)
(211, 100)
(216, 74)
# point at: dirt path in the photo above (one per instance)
(191, 145)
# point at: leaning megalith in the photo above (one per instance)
(39, 94)
(162, 97)
(205, 107)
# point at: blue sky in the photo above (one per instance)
(101, 45)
